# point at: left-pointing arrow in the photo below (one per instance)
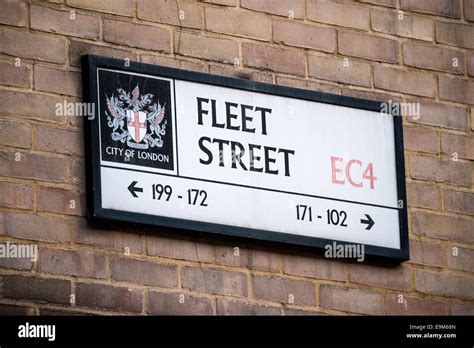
(133, 189)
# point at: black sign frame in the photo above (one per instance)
(95, 212)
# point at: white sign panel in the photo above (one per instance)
(234, 157)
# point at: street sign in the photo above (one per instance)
(233, 157)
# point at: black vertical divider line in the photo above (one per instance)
(176, 126)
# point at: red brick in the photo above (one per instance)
(59, 141)
(455, 34)
(462, 145)
(444, 284)
(137, 35)
(472, 118)
(338, 13)
(19, 264)
(431, 168)
(279, 8)
(143, 272)
(78, 175)
(410, 82)
(120, 7)
(58, 21)
(300, 312)
(420, 139)
(368, 46)
(77, 263)
(438, 7)
(265, 260)
(14, 12)
(222, 2)
(36, 289)
(62, 312)
(426, 253)
(246, 74)
(294, 33)
(16, 195)
(382, 97)
(414, 306)
(76, 119)
(284, 290)
(16, 310)
(35, 227)
(388, 3)
(174, 62)
(462, 309)
(256, 25)
(305, 84)
(58, 200)
(469, 10)
(350, 300)
(58, 81)
(79, 48)
(333, 69)
(457, 90)
(100, 296)
(410, 26)
(459, 202)
(30, 105)
(3, 225)
(179, 249)
(424, 195)
(25, 44)
(443, 227)
(470, 64)
(33, 166)
(442, 115)
(253, 259)
(160, 303)
(275, 59)
(168, 11)
(105, 237)
(225, 307)
(232, 256)
(463, 260)
(205, 47)
(10, 131)
(178, 63)
(214, 281)
(382, 276)
(293, 82)
(415, 54)
(16, 76)
(314, 267)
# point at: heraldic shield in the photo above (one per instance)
(136, 118)
(136, 125)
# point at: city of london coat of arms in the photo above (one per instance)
(135, 119)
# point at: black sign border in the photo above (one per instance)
(94, 209)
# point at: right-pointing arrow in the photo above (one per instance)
(369, 222)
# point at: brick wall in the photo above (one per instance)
(144, 270)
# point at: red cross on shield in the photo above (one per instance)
(136, 124)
